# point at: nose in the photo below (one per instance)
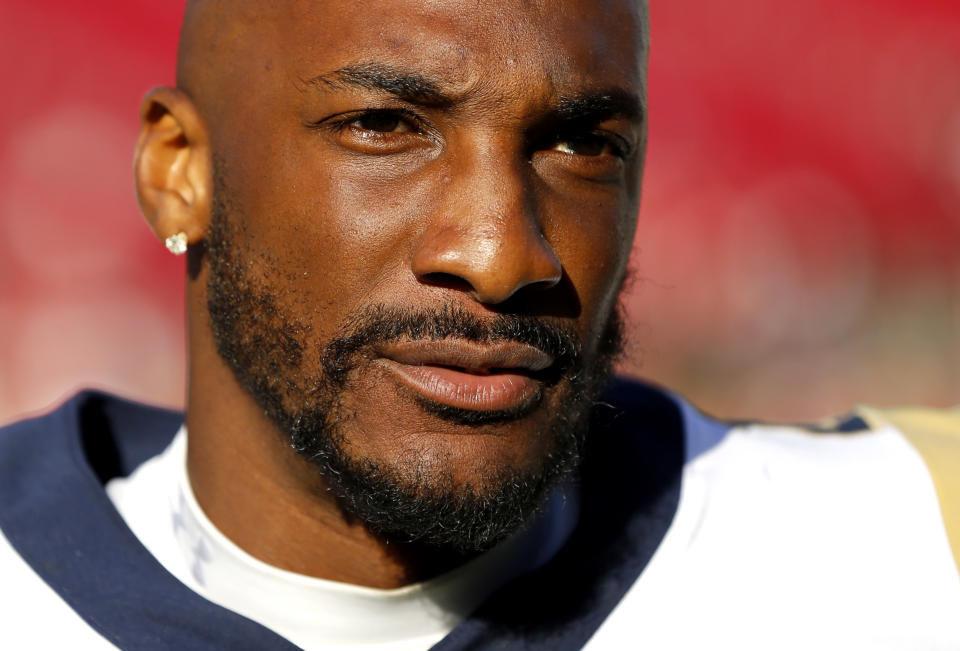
(485, 234)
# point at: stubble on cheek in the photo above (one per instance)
(309, 391)
(267, 349)
(402, 470)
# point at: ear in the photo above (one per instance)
(172, 165)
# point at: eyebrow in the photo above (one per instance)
(405, 85)
(599, 106)
(415, 88)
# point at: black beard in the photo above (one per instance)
(266, 349)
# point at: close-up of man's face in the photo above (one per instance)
(420, 223)
(401, 363)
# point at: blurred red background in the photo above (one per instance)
(799, 240)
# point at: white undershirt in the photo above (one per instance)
(158, 505)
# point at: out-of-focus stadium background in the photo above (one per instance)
(799, 240)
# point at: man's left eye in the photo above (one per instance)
(382, 122)
(588, 145)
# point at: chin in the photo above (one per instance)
(417, 477)
(433, 447)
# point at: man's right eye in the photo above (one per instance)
(377, 131)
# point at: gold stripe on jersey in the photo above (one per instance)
(936, 436)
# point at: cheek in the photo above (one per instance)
(339, 231)
(594, 243)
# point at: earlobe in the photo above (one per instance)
(172, 167)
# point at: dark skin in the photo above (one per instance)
(394, 152)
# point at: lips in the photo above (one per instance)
(466, 375)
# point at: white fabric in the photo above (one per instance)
(783, 540)
(158, 505)
(786, 540)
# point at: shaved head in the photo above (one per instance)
(222, 42)
(214, 49)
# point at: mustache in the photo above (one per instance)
(382, 324)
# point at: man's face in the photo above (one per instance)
(423, 212)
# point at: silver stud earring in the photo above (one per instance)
(177, 244)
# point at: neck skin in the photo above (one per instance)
(267, 499)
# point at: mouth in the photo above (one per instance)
(495, 378)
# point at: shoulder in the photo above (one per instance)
(838, 523)
(51, 461)
(53, 510)
(870, 463)
(935, 435)
(36, 616)
(71, 556)
(62, 459)
(856, 491)
(98, 421)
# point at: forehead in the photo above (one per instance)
(464, 43)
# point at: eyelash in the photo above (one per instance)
(343, 122)
(339, 124)
(619, 146)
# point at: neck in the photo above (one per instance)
(270, 501)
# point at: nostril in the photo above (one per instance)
(546, 283)
(446, 280)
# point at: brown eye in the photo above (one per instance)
(586, 145)
(381, 123)
(378, 131)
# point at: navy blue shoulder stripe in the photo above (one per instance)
(851, 423)
(630, 489)
(55, 513)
